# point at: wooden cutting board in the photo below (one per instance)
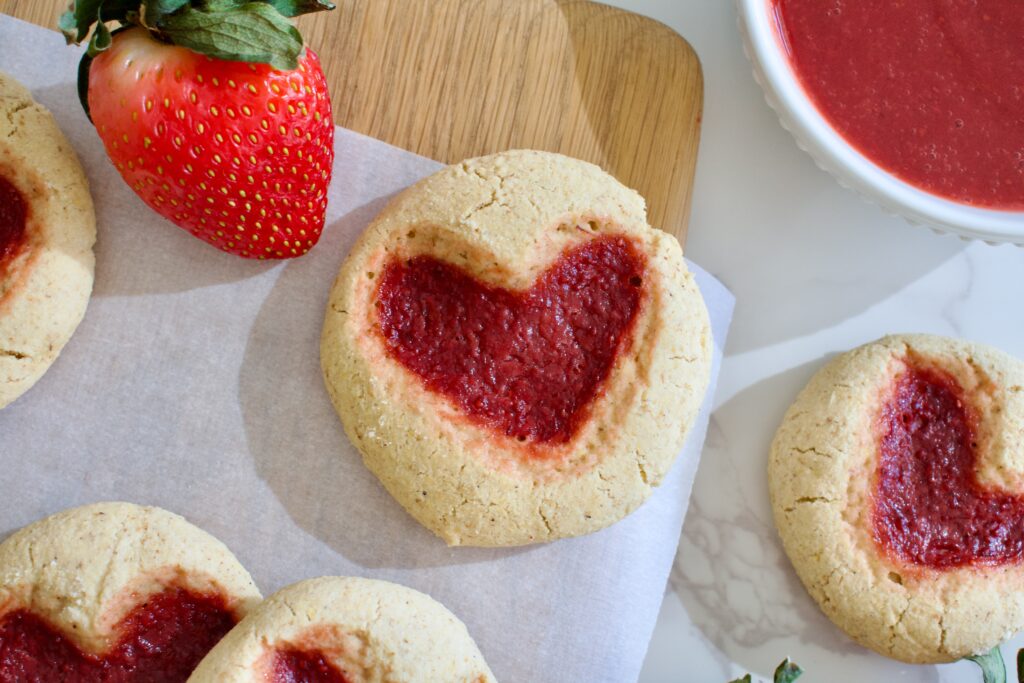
(451, 79)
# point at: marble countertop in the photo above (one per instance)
(816, 271)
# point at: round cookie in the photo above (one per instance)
(517, 354)
(897, 485)
(47, 230)
(136, 593)
(347, 630)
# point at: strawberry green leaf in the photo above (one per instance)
(787, 672)
(294, 8)
(289, 8)
(100, 40)
(156, 10)
(68, 25)
(745, 679)
(220, 5)
(165, 6)
(75, 23)
(124, 11)
(253, 32)
(993, 670)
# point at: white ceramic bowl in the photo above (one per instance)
(815, 136)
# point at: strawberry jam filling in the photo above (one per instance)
(13, 214)
(930, 90)
(162, 641)
(302, 666)
(930, 509)
(524, 363)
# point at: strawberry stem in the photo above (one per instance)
(237, 30)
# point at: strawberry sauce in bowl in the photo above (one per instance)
(916, 104)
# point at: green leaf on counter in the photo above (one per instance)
(993, 669)
(788, 672)
(253, 32)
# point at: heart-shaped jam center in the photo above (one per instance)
(929, 507)
(525, 363)
(13, 214)
(162, 641)
(304, 666)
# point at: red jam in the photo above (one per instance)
(301, 666)
(929, 508)
(162, 641)
(526, 363)
(13, 214)
(930, 90)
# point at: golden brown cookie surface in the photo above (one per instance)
(516, 353)
(347, 629)
(47, 230)
(897, 484)
(119, 588)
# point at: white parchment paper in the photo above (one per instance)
(194, 384)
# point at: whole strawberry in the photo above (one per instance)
(215, 114)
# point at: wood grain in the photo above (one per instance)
(451, 79)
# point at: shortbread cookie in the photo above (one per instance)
(515, 352)
(346, 630)
(897, 482)
(114, 591)
(47, 229)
